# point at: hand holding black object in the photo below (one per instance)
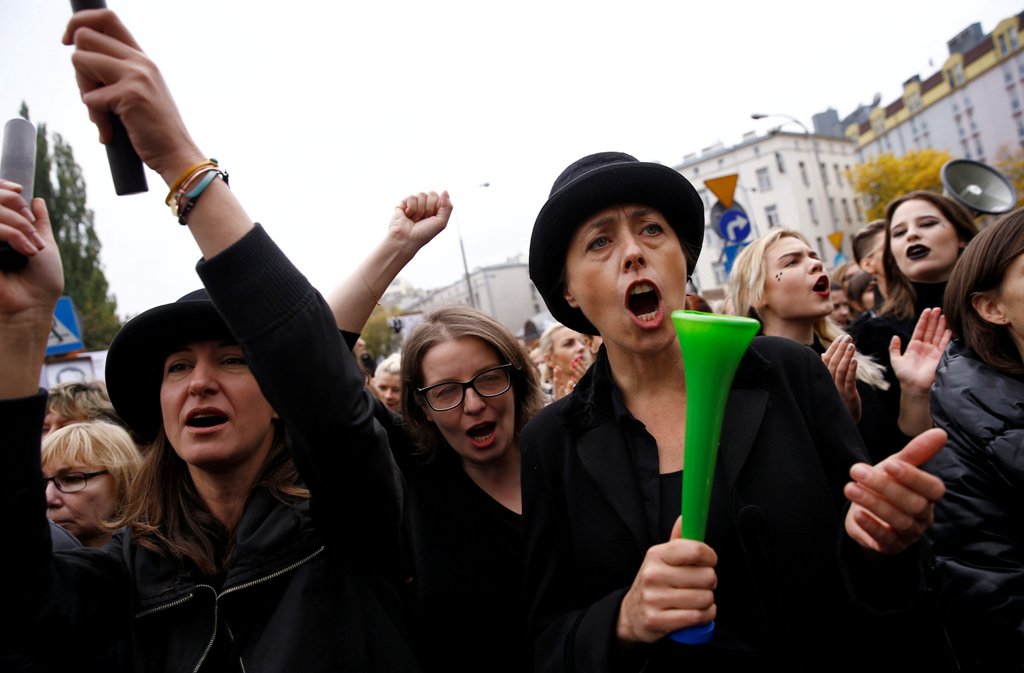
(18, 164)
(125, 165)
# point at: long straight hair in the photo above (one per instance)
(165, 514)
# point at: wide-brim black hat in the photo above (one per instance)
(589, 185)
(135, 361)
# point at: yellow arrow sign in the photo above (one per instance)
(837, 240)
(724, 188)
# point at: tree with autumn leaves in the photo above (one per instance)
(887, 176)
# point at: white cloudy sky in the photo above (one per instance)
(327, 113)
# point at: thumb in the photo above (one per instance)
(677, 529)
(922, 448)
(894, 347)
(445, 207)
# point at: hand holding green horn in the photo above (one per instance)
(712, 346)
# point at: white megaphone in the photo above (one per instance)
(978, 187)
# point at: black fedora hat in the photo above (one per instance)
(587, 186)
(134, 369)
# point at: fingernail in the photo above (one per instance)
(860, 472)
(38, 240)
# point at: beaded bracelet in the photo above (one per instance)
(193, 195)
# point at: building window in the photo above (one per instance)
(779, 162)
(856, 207)
(1004, 45)
(1020, 127)
(977, 147)
(1007, 73)
(832, 209)
(696, 171)
(811, 211)
(764, 181)
(824, 174)
(821, 249)
(703, 193)
(1014, 98)
(803, 174)
(1013, 39)
(846, 211)
(966, 147)
(839, 176)
(772, 215)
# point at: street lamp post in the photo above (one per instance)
(820, 170)
(462, 248)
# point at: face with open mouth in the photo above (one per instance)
(214, 413)
(481, 429)
(796, 286)
(923, 242)
(626, 271)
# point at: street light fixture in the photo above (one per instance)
(817, 159)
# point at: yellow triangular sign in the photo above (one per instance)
(724, 188)
(837, 240)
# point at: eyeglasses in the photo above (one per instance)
(71, 482)
(450, 394)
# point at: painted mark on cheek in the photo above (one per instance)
(778, 277)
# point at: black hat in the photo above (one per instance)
(590, 184)
(135, 361)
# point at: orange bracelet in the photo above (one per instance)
(184, 177)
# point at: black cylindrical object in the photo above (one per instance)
(126, 168)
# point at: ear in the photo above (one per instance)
(989, 307)
(567, 294)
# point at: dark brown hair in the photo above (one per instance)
(900, 294)
(864, 236)
(166, 514)
(981, 268)
(448, 324)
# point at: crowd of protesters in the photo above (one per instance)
(252, 491)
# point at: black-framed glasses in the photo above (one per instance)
(72, 482)
(450, 394)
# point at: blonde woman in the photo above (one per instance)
(566, 358)
(779, 280)
(87, 468)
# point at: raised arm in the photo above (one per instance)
(416, 220)
(27, 297)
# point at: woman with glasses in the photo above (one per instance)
(468, 388)
(87, 469)
(263, 530)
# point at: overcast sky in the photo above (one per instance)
(327, 113)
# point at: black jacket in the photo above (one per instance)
(792, 587)
(979, 526)
(313, 586)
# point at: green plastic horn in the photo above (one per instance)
(713, 346)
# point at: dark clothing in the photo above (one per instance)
(313, 584)
(467, 571)
(872, 338)
(790, 581)
(872, 416)
(979, 526)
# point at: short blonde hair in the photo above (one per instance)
(392, 364)
(96, 443)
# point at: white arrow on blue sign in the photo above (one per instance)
(65, 334)
(734, 225)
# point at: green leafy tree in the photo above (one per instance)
(883, 179)
(380, 337)
(59, 182)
